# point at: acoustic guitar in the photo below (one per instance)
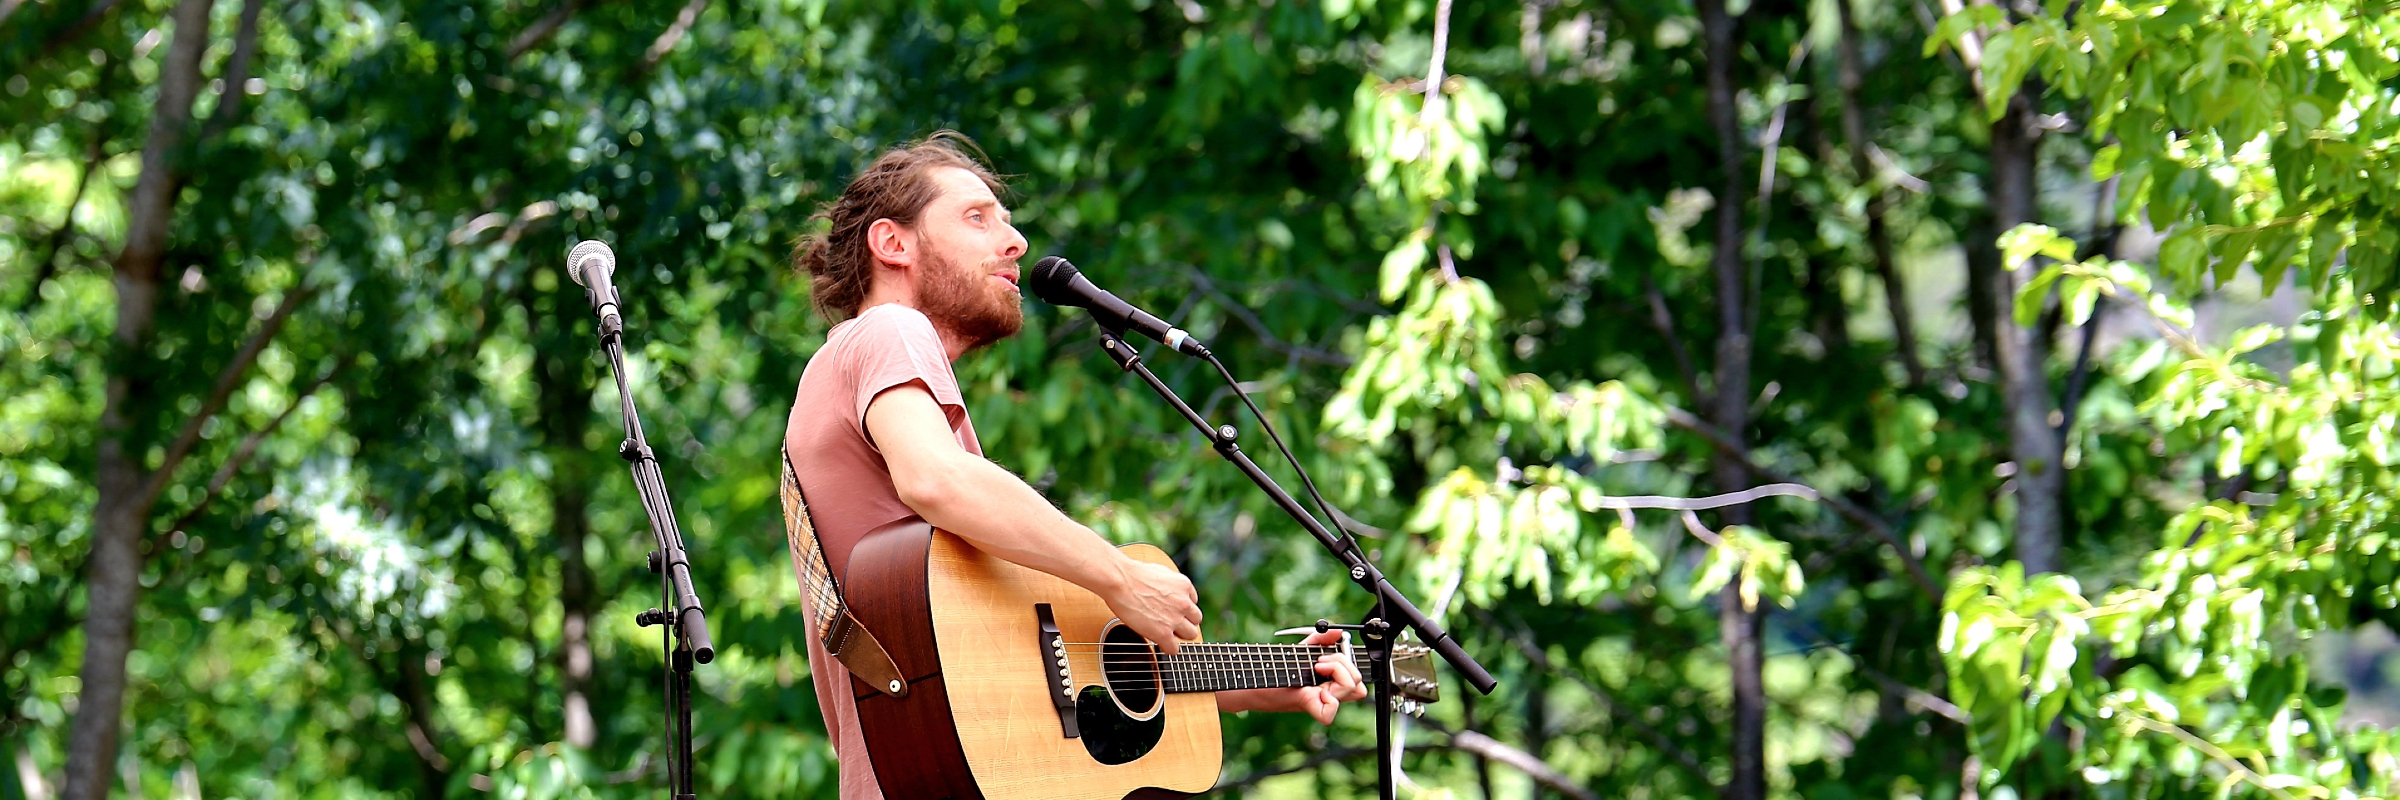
(1012, 683)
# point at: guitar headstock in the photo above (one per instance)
(1413, 678)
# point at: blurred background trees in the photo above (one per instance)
(2073, 316)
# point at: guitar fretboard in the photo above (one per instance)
(1212, 667)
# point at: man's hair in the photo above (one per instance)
(897, 187)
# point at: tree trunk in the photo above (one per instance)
(1821, 276)
(566, 412)
(416, 693)
(1739, 626)
(1983, 274)
(1740, 629)
(1537, 721)
(122, 515)
(569, 503)
(1879, 234)
(1483, 764)
(2024, 351)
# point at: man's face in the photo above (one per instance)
(967, 282)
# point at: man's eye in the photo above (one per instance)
(977, 216)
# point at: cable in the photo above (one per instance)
(1305, 481)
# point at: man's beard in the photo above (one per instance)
(967, 304)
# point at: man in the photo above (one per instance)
(921, 263)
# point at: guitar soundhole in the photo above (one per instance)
(1120, 719)
(1129, 665)
(1109, 734)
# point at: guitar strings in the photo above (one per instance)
(1200, 662)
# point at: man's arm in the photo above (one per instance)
(992, 509)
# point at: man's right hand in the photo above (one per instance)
(996, 512)
(1156, 602)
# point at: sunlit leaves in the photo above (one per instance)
(1425, 156)
(2010, 645)
(2244, 130)
(2230, 577)
(1758, 566)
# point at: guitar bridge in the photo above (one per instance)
(1054, 668)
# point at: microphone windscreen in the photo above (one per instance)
(586, 251)
(1049, 280)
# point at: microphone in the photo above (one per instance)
(1059, 283)
(589, 265)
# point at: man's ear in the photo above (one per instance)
(892, 243)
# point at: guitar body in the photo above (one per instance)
(978, 719)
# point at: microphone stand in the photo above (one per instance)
(684, 635)
(1391, 607)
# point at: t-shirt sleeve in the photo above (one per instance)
(896, 345)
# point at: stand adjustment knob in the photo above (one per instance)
(650, 617)
(654, 565)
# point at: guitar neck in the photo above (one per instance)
(1217, 667)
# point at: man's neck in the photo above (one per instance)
(952, 345)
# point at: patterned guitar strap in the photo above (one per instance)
(828, 614)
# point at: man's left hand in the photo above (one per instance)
(1320, 701)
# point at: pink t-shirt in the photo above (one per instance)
(845, 480)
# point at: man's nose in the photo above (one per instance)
(1015, 247)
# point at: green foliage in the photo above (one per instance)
(2256, 134)
(1479, 313)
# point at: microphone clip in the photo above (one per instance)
(1113, 343)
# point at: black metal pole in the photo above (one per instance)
(1396, 606)
(1380, 638)
(683, 637)
(1389, 603)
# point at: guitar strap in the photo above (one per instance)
(828, 614)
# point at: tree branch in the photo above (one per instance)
(1662, 318)
(674, 35)
(2072, 401)
(1770, 142)
(227, 380)
(542, 28)
(1970, 46)
(83, 25)
(1712, 501)
(241, 455)
(52, 622)
(237, 72)
(1433, 70)
(1879, 234)
(1464, 741)
(93, 154)
(1250, 319)
(1318, 759)
(1523, 639)
(1927, 700)
(405, 682)
(1691, 523)
(1533, 766)
(1864, 519)
(2101, 242)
